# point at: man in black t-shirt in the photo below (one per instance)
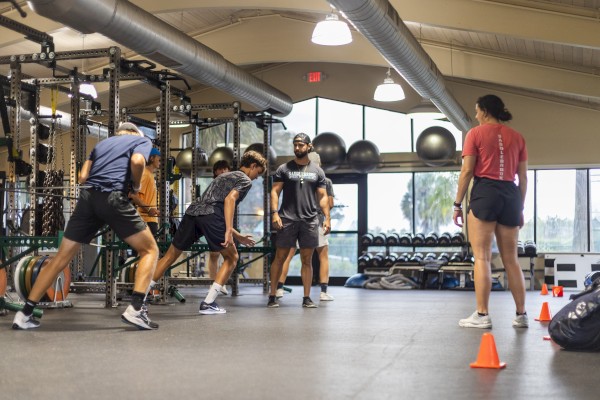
(113, 169)
(303, 186)
(211, 216)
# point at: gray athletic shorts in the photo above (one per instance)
(304, 232)
(323, 239)
(94, 209)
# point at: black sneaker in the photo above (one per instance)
(210, 309)
(307, 303)
(272, 302)
(23, 321)
(139, 319)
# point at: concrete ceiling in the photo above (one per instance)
(545, 47)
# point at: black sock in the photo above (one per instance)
(481, 314)
(137, 299)
(305, 298)
(279, 285)
(271, 298)
(29, 306)
(324, 287)
(523, 313)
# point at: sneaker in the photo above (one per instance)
(326, 297)
(521, 321)
(279, 293)
(272, 302)
(212, 308)
(138, 319)
(476, 321)
(224, 290)
(308, 303)
(23, 321)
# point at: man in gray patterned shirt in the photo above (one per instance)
(211, 216)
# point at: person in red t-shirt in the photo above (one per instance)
(492, 155)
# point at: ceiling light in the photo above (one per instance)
(332, 32)
(425, 110)
(389, 90)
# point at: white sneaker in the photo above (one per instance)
(521, 321)
(139, 319)
(279, 293)
(212, 308)
(326, 297)
(22, 321)
(476, 321)
(224, 290)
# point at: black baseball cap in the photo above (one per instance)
(301, 137)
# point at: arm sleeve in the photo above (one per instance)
(278, 177)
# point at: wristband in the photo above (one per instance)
(273, 212)
(457, 205)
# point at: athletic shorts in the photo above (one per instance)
(304, 232)
(499, 201)
(191, 228)
(94, 209)
(323, 239)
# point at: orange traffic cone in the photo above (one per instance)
(488, 356)
(544, 291)
(545, 313)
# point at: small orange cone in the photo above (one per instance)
(545, 313)
(544, 291)
(488, 356)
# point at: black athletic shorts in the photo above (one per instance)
(191, 228)
(95, 208)
(493, 200)
(306, 233)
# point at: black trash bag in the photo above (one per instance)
(577, 325)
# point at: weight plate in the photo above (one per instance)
(65, 278)
(37, 268)
(17, 275)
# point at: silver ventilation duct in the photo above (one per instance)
(379, 22)
(132, 27)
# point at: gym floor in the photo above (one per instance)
(367, 344)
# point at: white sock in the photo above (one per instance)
(213, 292)
(152, 284)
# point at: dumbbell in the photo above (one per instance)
(366, 239)
(393, 239)
(429, 257)
(458, 238)
(364, 261)
(418, 240)
(530, 248)
(431, 239)
(456, 257)
(445, 257)
(469, 258)
(520, 248)
(390, 260)
(377, 260)
(404, 257)
(406, 239)
(417, 257)
(444, 238)
(379, 239)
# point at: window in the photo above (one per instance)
(595, 209)
(561, 220)
(434, 196)
(302, 119)
(390, 202)
(527, 231)
(388, 130)
(345, 119)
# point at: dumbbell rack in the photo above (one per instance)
(423, 268)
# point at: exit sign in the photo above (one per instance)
(314, 77)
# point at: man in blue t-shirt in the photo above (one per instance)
(303, 186)
(113, 169)
(211, 216)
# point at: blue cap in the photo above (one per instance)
(154, 152)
